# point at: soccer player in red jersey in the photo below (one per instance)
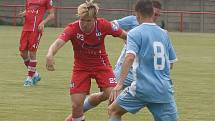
(90, 58)
(31, 34)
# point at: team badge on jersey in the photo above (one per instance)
(114, 26)
(51, 2)
(112, 80)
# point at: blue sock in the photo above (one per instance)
(114, 119)
(87, 106)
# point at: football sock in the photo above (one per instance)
(26, 62)
(114, 119)
(78, 119)
(87, 106)
(32, 68)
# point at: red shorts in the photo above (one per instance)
(29, 40)
(81, 79)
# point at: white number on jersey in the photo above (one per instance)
(112, 80)
(159, 55)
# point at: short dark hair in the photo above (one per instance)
(144, 7)
(156, 4)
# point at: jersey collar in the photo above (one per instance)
(149, 23)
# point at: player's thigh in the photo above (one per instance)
(23, 43)
(129, 102)
(34, 40)
(105, 77)
(163, 111)
(80, 82)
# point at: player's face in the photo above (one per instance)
(87, 23)
(156, 14)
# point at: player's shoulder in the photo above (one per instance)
(73, 24)
(135, 31)
(163, 30)
(131, 17)
(102, 20)
(128, 20)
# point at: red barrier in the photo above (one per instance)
(180, 13)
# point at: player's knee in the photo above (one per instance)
(112, 111)
(32, 55)
(23, 55)
(104, 96)
(77, 107)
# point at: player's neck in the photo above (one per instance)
(146, 20)
(88, 29)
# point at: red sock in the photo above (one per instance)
(26, 62)
(32, 67)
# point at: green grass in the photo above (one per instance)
(193, 77)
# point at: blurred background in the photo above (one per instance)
(177, 15)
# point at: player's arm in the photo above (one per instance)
(22, 13)
(123, 36)
(50, 16)
(129, 59)
(53, 49)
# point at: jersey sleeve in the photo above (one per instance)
(127, 23)
(172, 54)
(49, 4)
(67, 34)
(112, 28)
(132, 43)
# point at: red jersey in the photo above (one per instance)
(89, 48)
(35, 11)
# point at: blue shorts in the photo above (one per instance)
(160, 111)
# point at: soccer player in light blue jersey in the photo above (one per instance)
(152, 50)
(127, 23)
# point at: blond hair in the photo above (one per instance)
(88, 9)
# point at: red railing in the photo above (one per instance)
(180, 13)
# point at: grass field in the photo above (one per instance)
(193, 75)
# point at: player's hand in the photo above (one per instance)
(50, 63)
(41, 27)
(115, 92)
(21, 14)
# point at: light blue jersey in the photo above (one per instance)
(126, 23)
(153, 54)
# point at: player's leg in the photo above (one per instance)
(77, 101)
(92, 101)
(164, 111)
(106, 81)
(125, 102)
(96, 98)
(80, 87)
(25, 57)
(23, 47)
(34, 40)
(115, 112)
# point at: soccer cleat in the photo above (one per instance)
(36, 79)
(28, 82)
